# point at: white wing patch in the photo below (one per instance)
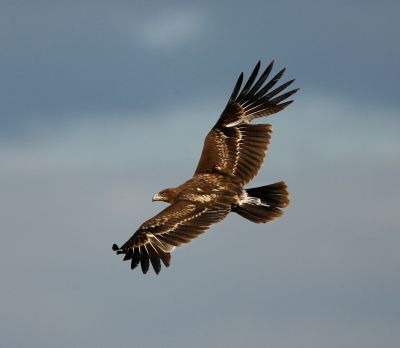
(239, 133)
(162, 245)
(222, 149)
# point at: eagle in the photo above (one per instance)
(232, 155)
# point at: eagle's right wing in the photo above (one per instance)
(235, 147)
(177, 224)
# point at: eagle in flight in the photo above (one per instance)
(232, 155)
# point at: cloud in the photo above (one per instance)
(172, 29)
(62, 60)
(166, 29)
(326, 272)
(344, 131)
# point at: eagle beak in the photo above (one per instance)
(157, 197)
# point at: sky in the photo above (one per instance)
(105, 103)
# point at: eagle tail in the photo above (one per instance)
(264, 203)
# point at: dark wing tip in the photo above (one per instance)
(129, 254)
(282, 97)
(135, 258)
(285, 104)
(115, 247)
(249, 82)
(236, 89)
(279, 89)
(144, 259)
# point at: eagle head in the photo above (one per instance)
(167, 195)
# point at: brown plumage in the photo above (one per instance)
(232, 155)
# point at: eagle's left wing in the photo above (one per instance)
(235, 147)
(177, 224)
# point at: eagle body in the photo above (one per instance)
(233, 153)
(204, 188)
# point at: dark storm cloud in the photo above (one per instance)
(64, 59)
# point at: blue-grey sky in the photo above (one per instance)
(104, 103)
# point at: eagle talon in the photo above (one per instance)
(115, 247)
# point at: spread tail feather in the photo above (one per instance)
(264, 203)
